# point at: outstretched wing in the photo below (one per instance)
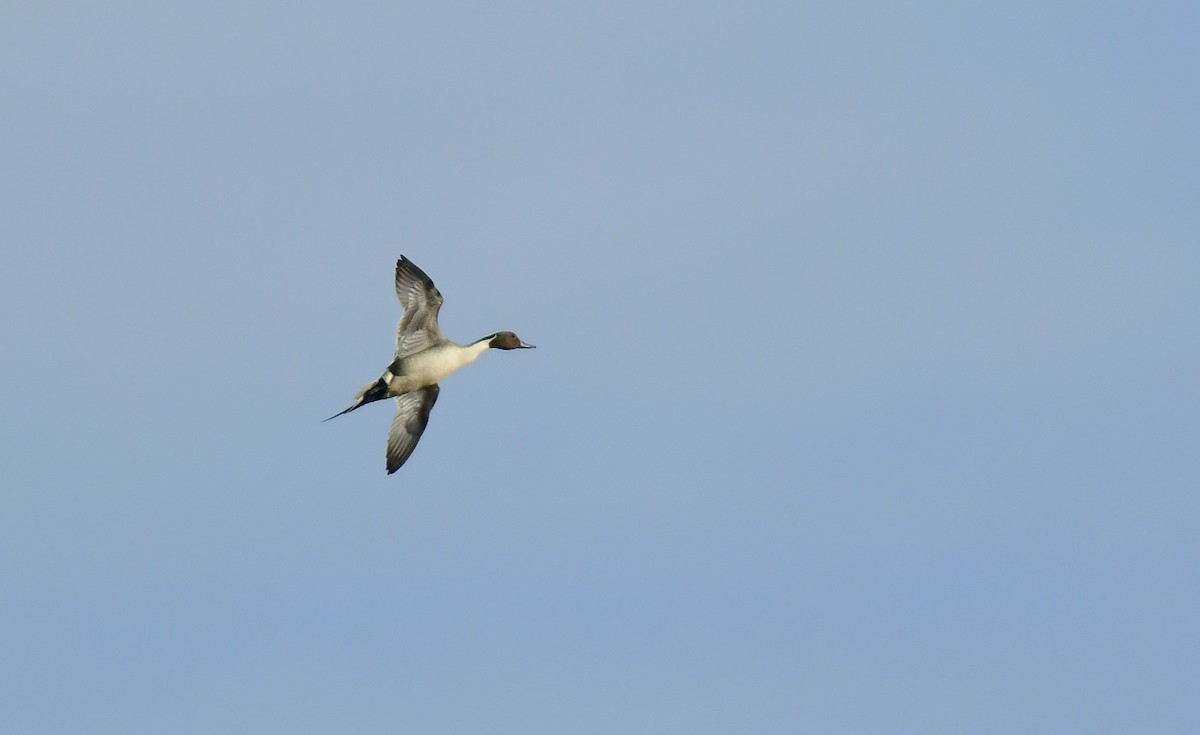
(418, 327)
(412, 415)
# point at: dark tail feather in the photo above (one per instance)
(374, 392)
(348, 410)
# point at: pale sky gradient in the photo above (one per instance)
(865, 397)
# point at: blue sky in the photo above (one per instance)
(864, 398)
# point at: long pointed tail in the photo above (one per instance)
(371, 392)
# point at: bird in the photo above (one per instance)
(424, 357)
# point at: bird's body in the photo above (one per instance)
(424, 357)
(431, 365)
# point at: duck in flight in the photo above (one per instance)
(424, 356)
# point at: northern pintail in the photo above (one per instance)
(424, 356)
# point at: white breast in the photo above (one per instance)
(435, 364)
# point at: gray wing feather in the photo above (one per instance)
(418, 327)
(412, 415)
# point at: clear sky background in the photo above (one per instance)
(865, 397)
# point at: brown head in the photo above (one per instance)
(507, 341)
